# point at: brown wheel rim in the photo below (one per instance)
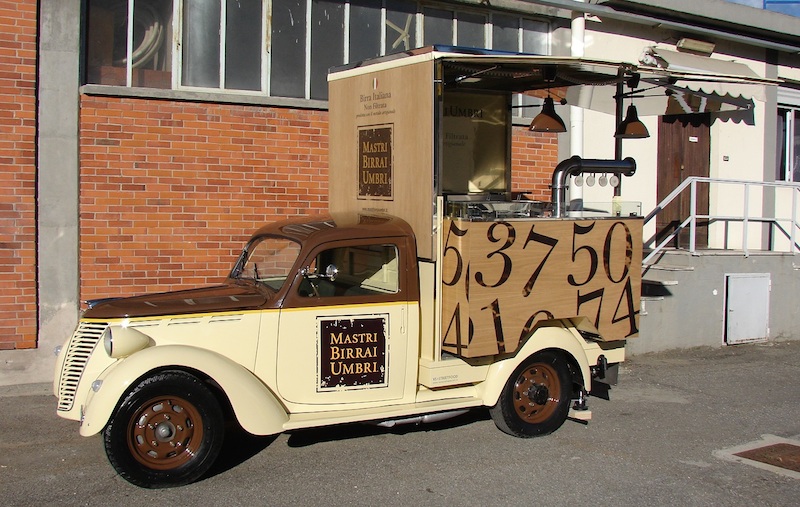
(537, 393)
(165, 433)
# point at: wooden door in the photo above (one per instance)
(684, 147)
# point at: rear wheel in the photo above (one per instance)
(167, 432)
(535, 400)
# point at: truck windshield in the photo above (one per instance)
(267, 260)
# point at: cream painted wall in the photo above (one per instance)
(785, 72)
(737, 153)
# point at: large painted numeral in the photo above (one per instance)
(593, 260)
(628, 252)
(498, 325)
(511, 235)
(455, 320)
(532, 321)
(585, 298)
(544, 240)
(459, 259)
(602, 263)
(627, 295)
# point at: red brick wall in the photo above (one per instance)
(171, 190)
(534, 156)
(17, 174)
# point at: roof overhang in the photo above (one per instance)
(667, 83)
(790, 45)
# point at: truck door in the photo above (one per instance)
(343, 326)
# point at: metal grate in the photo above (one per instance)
(78, 352)
(780, 455)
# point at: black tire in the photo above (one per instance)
(166, 432)
(535, 400)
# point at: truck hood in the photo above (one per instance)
(230, 296)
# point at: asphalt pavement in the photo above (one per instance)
(666, 436)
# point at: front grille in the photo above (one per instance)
(78, 352)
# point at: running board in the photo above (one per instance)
(382, 413)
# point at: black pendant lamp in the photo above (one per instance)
(547, 120)
(631, 127)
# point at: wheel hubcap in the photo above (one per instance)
(536, 393)
(165, 433)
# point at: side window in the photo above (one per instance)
(353, 271)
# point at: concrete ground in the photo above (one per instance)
(663, 438)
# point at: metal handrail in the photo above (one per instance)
(745, 218)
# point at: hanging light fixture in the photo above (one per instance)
(631, 127)
(547, 120)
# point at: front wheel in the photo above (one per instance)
(167, 432)
(535, 400)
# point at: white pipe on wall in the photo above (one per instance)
(577, 29)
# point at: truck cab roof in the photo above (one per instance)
(337, 226)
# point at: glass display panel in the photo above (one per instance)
(401, 29)
(475, 147)
(365, 30)
(535, 37)
(438, 27)
(327, 43)
(288, 48)
(505, 33)
(471, 30)
(107, 59)
(201, 43)
(243, 36)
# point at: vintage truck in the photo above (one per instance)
(430, 289)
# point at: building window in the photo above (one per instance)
(135, 53)
(788, 144)
(221, 44)
(288, 49)
(279, 48)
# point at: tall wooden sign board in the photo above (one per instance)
(381, 146)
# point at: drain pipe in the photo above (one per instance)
(577, 49)
(574, 166)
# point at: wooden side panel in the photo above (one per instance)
(501, 279)
(381, 146)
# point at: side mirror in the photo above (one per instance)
(331, 272)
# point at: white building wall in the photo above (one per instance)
(737, 148)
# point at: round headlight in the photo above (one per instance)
(122, 341)
(108, 342)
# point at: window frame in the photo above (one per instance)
(416, 8)
(294, 299)
(789, 148)
(177, 52)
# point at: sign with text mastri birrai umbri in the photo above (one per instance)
(500, 279)
(352, 352)
(375, 162)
